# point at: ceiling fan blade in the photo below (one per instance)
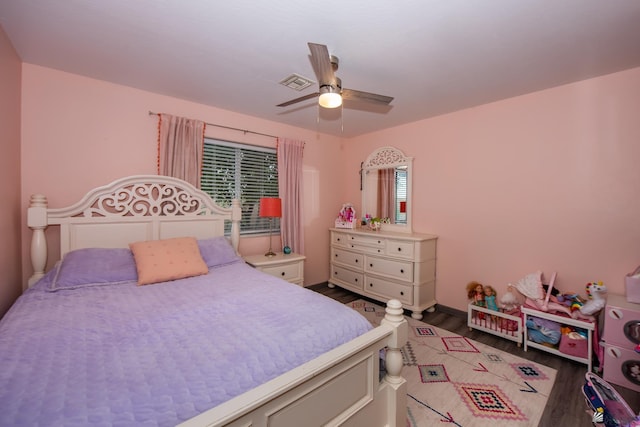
(322, 64)
(302, 98)
(366, 96)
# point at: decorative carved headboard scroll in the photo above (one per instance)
(140, 207)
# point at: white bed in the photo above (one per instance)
(340, 387)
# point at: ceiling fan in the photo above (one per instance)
(330, 91)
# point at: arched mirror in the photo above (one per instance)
(386, 188)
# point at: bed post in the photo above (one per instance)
(236, 216)
(37, 221)
(394, 317)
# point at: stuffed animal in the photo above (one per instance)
(596, 292)
(509, 301)
(573, 301)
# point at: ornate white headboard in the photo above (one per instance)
(135, 208)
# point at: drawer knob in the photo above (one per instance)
(402, 270)
(282, 273)
(399, 249)
(356, 261)
(402, 293)
(370, 265)
(371, 285)
(379, 242)
(356, 280)
(338, 239)
(336, 255)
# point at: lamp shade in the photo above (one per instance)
(330, 100)
(330, 96)
(271, 207)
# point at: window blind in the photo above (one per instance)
(232, 170)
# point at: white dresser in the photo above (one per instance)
(383, 265)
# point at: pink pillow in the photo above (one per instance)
(168, 259)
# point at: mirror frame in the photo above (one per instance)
(384, 158)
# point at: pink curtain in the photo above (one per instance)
(180, 148)
(386, 194)
(290, 189)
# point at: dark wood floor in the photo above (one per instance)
(566, 405)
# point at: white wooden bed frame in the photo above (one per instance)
(340, 387)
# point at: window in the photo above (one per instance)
(232, 170)
(401, 195)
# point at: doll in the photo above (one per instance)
(509, 301)
(490, 298)
(475, 293)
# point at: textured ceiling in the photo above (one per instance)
(433, 56)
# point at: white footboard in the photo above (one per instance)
(341, 387)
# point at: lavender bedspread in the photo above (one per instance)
(123, 355)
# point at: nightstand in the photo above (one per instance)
(289, 267)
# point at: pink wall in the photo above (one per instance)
(542, 181)
(10, 69)
(78, 133)
(548, 180)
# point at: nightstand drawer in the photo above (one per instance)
(289, 267)
(288, 272)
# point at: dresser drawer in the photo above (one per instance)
(349, 277)
(369, 241)
(397, 269)
(288, 272)
(386, 290)
(339, 239)
(400, 249)
(373, 250)
(350, 259)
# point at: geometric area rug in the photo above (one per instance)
(455, 381)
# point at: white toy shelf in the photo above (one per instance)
(577, 350)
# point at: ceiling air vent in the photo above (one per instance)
(297, 82)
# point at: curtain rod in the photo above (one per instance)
(151, 113)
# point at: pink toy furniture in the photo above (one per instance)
(621, 337)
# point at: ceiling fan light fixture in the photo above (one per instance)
(329, 97)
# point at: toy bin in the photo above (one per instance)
(632, 285)
(574, 343)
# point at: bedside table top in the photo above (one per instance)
(280, 258)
